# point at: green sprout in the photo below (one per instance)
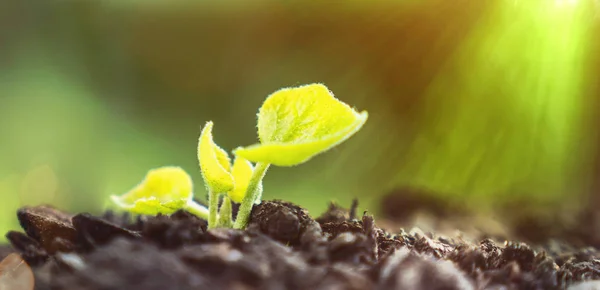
(221, 177)
(164, 190)
(294, 125)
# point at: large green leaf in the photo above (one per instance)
(295, 124)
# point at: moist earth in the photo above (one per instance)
(282, 248)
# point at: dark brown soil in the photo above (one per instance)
(283, 248)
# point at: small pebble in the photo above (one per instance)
(15, 274)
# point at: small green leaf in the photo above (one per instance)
(242, 172)
(214, 163)
(295, 124)
(163, 190)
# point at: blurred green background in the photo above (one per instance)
(482, 102)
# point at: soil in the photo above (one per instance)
(282, 248)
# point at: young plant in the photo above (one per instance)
(294, 125)
(221, 177)
(167, 189)
(164, 190)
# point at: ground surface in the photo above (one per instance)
(283, 248)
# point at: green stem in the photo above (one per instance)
(252, 193)
(225, 213)
(213, 207)
(196, 209)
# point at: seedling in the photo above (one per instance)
(294, 125)
(221, 177)
(164, 190)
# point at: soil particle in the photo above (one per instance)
(520, 253)
(337, 214)
(53, 229)
(280, 220)
(124, 264)
(431, 247)
(409, 270)
(171, 232)
(31, 250)
(96, 231)
(282, 248)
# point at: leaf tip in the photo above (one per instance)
(214, 162)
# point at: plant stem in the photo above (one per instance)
(252, 193)
(196, 209)
(225, 214)
(213, 207)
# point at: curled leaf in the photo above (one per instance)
(295, 124)
(242, 172)
(214, 162)
(163, 190)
